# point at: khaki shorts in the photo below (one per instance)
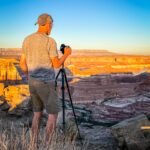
(44, 95)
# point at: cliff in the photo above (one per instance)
(83, 63)
(84, 66)
(8, 70)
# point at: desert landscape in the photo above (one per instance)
(110, 93)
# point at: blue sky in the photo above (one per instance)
(121, 26)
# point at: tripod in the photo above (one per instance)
(64, 79)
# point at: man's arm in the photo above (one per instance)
(58, 62)
(23, 64)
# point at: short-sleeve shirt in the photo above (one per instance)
(39, 49)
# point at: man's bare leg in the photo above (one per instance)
(50, 126)
(35, 126)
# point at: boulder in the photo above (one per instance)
(130, 135)
(21, 108)
(99, 138)
(16, 94)
(26, 104)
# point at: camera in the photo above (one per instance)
(62, 48)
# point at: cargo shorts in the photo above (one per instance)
(44, 95)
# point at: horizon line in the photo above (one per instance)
(85, 49)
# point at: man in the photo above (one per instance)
(38, 60)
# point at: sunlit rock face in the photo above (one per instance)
(16, 94)
(1, 88)
(8, 70)
(85, 63)
(82, 63)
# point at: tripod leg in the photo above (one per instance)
(63, 99)
(57, 78)
(58, 74)
(72, 104)
(63, 96)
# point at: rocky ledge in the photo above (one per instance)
(105, 104)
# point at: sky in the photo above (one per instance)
(121, 26)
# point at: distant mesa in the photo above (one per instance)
(10, 52)
(90, 52)
(75, 52)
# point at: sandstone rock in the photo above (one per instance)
(26, 104)
(16, 94)
(1, 89)
(129, 133)
(8, 70)
(86, 63)
(21, 108)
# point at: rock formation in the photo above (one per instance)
(1, 89)
(85, 63)
(14, 95)
(130, 135)
(8, 70)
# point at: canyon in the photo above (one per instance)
(84, 63)
(94, 62)
(93, 75)
(100, 69)
(106, 88)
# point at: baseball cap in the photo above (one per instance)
(43, 19)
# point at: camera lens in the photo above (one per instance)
(62, 48)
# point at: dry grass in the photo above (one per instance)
(16, 138)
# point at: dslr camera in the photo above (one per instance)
(62, 48)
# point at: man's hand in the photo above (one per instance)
(58, 62)
(23, 64)
(67, 50)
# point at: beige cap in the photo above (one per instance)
(43, 19)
